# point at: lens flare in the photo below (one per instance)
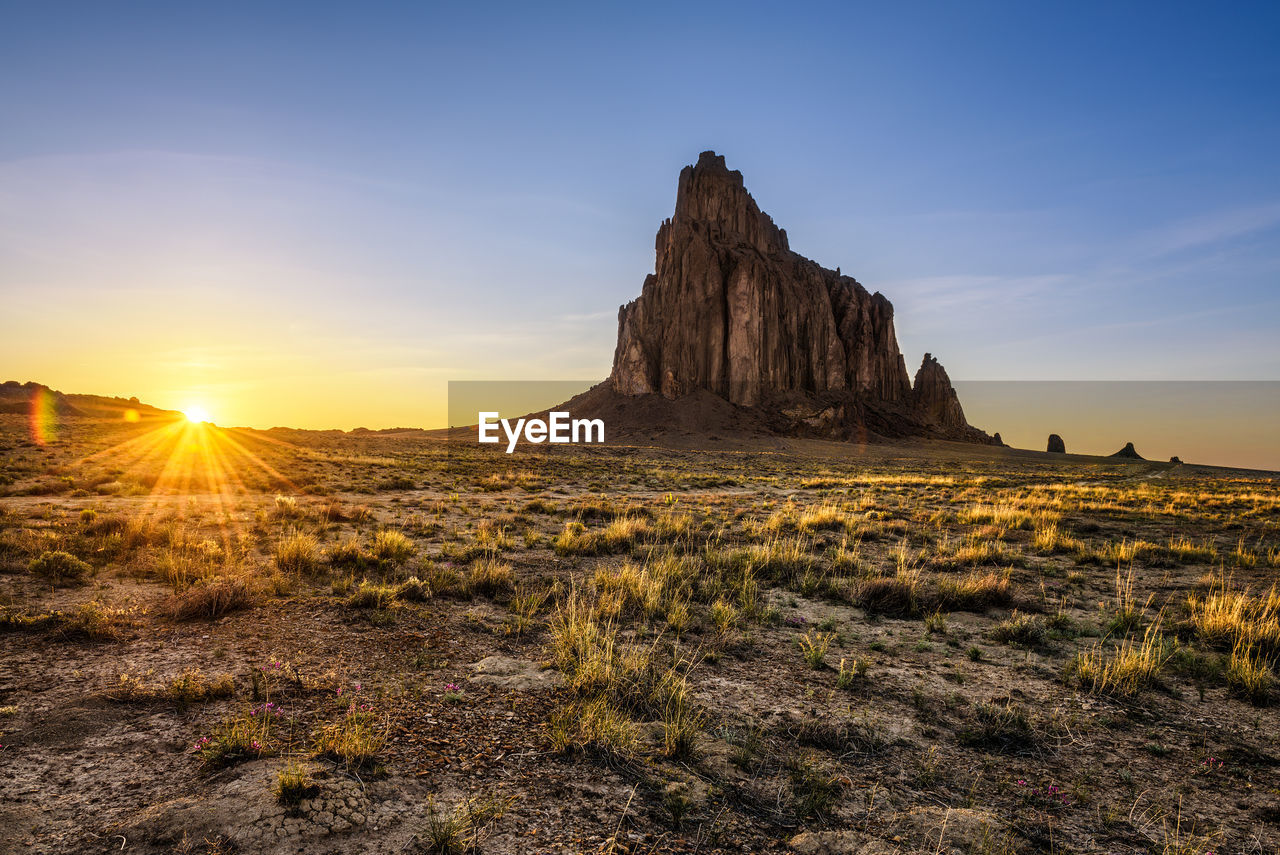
(44, 417)
(196, 415)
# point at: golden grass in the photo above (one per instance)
(1125, 669)
(1004, 515)
(213, 597)
(975, 591)
(1227, 616)
(354, 739)
(297, 554)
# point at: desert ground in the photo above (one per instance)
(217, 640)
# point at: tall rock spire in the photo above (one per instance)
(731, 309)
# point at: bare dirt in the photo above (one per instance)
(969, 729)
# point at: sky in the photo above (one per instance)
(317, 214)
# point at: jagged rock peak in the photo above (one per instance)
(731, 310)
(711, 193)
(934, 396)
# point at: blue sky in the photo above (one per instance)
(315, 209)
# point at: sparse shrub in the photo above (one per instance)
(680, 722)
(972, 551)
(348, 554)
(936, 623)
(594, 726)
(1129, 551)
(93, 621)
(371, 595)
(1024, 629)
(845, 559)
(678, 616)
(446, 581)
(670, 526)
(723, 616)
(214, 597)
(782, 560)
(524, 607)
(897, 595)
(1128, 614)
(814, 789)
(298, 554)
(822, 517)
(246, 736)
(354, 739)
(190, 687)
(813, 647)
(1126, 670)
(611, 679)
(1005, 729)
(489, 578)
(286, 508)
(392, 547)
(1048, 540)
(539, 506)
(294, 785)
(461, 829)
(675, 798)
(844, 737)
(1249, 675)
(60, 568)
(619, 535)
(1188, 552)
(447, 832)
(1226, 617)
(975, 591)
(12, 619)
(413, 590)
(1005, 516)
(851, 675)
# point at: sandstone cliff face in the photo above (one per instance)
(731, 309)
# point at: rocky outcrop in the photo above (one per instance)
(1129, 452)
(1056, 445)
(732, 310)
(934, 398)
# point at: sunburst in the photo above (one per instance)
(184, 460)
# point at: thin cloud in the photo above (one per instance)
(1207, 229)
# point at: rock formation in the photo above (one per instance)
(1129, 452)
(730, 309)
(1056, 445)
(934, 397)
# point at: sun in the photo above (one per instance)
(196, 415)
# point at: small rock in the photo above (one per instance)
(836, 843)
(510, 673)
